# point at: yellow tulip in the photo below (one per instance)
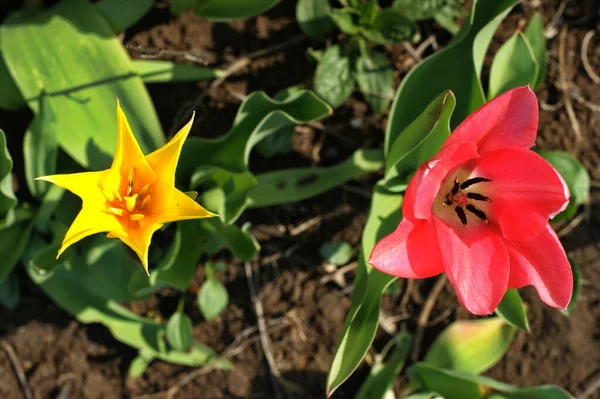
(132, 199)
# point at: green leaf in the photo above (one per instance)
(226, 10)
(69, 53)
(212, 298)
(346, 20)
(420, 141)
(8, 201)
(40, 148)
(576, 287)
(384, 215)
(449, 14)
(50, 202)
(472, 346)
(418, 10)
(292, 185)
(139, 364)
(10, 97)
(159, 71)
(535, 36)
(179, 264)
(456, 67)
(9, 292)
(452, 384)
(512, 310)
(424, 395)
(383, 372)
(13, 241)
(75, 296)
(277, 143)
(575, 175)
(333, 77)
(314, 19)
(389, 27)
(336, 252)
(375, 78)
(179, 332)
(123, 14)
(177, 7)
(514, 65)
(223, 162)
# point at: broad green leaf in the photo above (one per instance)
(76, 297)
(457, 67)
(535, 36)
(472, 346)
(277, 143)
(212, 298)
(258, 116)
(420, 141)
(514, 65)
(9, 292)
(389, 27)
(179, 332)
(384, 215)
(160, 71)
(69, 53)
(452, 384)
(180, 6)
(576, 287)
(418, 10)
(512, 310)
(363, 316)
(346, 20)
(423, 395)
(123, 14)
(575, 175)
(448, 15)
(333, 77)
(8, 201)
(375, 78)
(336, 252)
(13, 241)
(383, 372)
(40, 148)
(10, 96)
(139, 364)
(225, 10)
(50, 202)
(293, 185)
(314, 19)
(179, 264)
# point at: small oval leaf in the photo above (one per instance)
(512, 310)
(212, 298)
(179, 332)
(336, 252)
(471, 346)
(334, 82)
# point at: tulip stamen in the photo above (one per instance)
(478, 197)
(475, 180)
(461, 215)
(477, 212)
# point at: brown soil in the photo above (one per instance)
(63, 358)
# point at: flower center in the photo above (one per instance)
(462, 201)
(132, 204)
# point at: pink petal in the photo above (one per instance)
(509, 120)
(409, 252)
(542, 262)
(477, 264)
(430, 175)
(525, 190)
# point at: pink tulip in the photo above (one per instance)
(479, 209)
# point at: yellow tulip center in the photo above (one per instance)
(132, 204)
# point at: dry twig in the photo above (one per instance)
(564, 86)
(425, 313)
(584, 57)
(14, 360)
(262, 329)
(591, 389)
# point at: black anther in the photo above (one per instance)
(472, 181)
(478, 197)
(461, 215)
(477, 212)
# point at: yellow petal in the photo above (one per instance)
(90, 221)
(139, 241)
(175, 205)
(85, 185)
(164, 160)
(129, 160)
